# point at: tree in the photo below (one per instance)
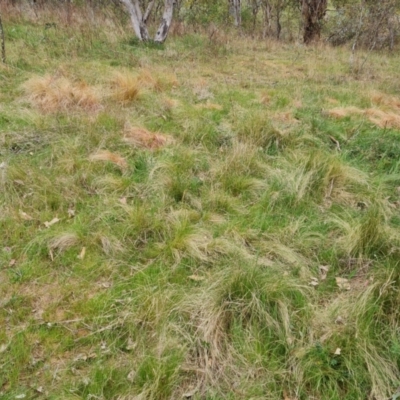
(3, 46)
(139, 19)
(236, 10)
(313, 11)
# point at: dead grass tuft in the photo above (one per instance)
(105, 155)
(169, 103)
(385, 100)
(158, 83)
(380, 118)
(265, 98)
(52, 93)
(63, 242)
(141, 137)
(125, 87)
(210, 106)
(383, 119)
(341, 112)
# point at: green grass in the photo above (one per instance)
(193, 269)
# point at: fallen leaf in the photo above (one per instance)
(80, 357)
(339, 320)
(122, 200)
(3, 348)
(190, 393)
(314, 282)
(131, 376)
(196, 278)
(343, 283)
(323, 271)
(287, 397)
(131, 345)
(12, 262)
(337, 352)
(25, 216)
(82, 253)
(52, 222)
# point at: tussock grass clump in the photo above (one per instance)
(318, 176)
(157, 82)
(368, 237)
(55, 93)
(63, 241)
(258, 129)
(250, 312)
(125, 87)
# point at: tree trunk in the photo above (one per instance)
(165, 24)
(255, 6)
(139, 20)
(278, 22)
(139, 26)
(237, 12)
(313, 11)
(267, 18)
(3, 45)
(148, 11)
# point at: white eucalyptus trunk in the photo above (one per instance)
(162, 31)
(138, 24)
(148, 11)
(139, 20)
(135, 20)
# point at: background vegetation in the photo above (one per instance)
(213, 218)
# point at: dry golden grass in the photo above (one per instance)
(265, 98)
(382, 119)
(105, 155)
(210, 106)
(158, 83)
(141, 137)
(383, 99)
(285, 117)
(53, 93)
(341, 112)
(125, 87)
(169, 103)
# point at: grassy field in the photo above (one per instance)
(216, 218)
